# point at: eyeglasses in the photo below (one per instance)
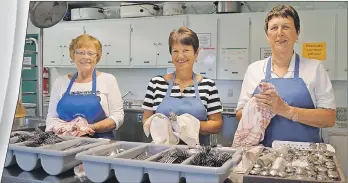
(89, 53)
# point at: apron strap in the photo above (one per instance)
(171, 83)
(297, 67)
(196, 85)
(268, 69)
(94, 82)
(170, 86)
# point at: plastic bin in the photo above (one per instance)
(30, 158)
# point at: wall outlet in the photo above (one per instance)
(230, 92)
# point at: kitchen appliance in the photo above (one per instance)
(228, 6)
(138, 10)
(87, 13)
(173, 8)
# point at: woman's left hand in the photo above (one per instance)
(271, 100)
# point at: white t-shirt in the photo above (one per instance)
(107, 90)
(311, 71)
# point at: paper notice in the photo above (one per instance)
(235, 55)
(265, 53)
(314, 50)
(204, 40)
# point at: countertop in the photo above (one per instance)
(14, 174)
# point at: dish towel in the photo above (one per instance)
(160, 128)
(185, 127)
(77, 127)
(254, 121)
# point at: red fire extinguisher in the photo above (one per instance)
(45, 76)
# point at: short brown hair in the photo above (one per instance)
(184, 36)
(285, 12)
(86, 40)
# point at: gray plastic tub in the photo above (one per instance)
(54, 159)
(127, 169)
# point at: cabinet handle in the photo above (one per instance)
(234, 72)
(170, 62)
(345, 69)
(118, 61)
(53, 62)
(159, 43)
(146, 62)
(154, 44)
(226, 69)
(104, 45)
(203, 73)
(209, 69)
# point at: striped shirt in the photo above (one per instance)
(158, 86)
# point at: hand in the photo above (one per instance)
(90, 130)
(269, 99)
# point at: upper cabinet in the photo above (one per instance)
(233, 39)
(149, 40)
(342, 45)
(228, 42)
(56, 43)
(205, 26)
(317, 38)
(114, 36)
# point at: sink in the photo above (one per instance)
(28, 123)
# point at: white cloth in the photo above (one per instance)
(107, 90)
(186, 127)
(255, 120)
(166, 130)
(312, 72)
(160, 128)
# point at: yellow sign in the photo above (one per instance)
(314, 50)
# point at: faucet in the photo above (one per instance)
(129, 92)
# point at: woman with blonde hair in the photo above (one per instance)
(87, 94)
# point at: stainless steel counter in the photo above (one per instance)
(28, 122)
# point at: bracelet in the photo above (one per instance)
(295, 116)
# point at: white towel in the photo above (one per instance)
(160, 128)
(185, 127)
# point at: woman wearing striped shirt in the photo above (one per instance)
(184, 91)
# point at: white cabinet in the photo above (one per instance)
(205, 26)
(342, 45)
(115, 39)
(57, 40)
(259, 48)
(318, 28)
(233, 39)
(149, 40)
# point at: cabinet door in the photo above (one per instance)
(205, 27)
(339, 142)
(234, 46)
(52, 47)
(115, 39)
(70, 31)
(342, 45)
(165, 25)
(143, 44)
(259, 48)
(318, 28)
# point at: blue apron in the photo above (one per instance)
(295, 93)
(190, 105)
(87, 106)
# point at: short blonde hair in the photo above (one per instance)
(86, 40)
(185, 36)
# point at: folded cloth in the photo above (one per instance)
(186, 127)
(254, 121)
(77, 127)
(160, 128)
(248, 158)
